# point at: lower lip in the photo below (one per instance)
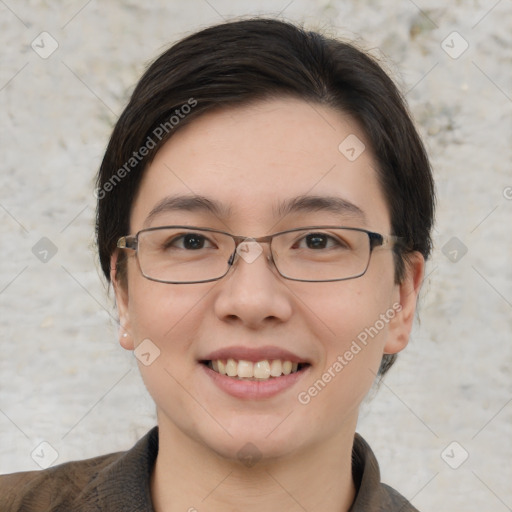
(253, 389)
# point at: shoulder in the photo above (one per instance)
(50, 489)
(373, 495)
(117, 482)
(393, 500)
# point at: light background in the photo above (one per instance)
(63, 377)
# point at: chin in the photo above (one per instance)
(251, 451)
(256, 438)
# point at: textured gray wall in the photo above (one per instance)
(63, 377)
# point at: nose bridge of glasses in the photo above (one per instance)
(249, 248)
(239, 239)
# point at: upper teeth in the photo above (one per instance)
(247, 369)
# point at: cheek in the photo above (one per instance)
(348, 328)
(155, 309)
(352, 327)
(339, 312)
(165, 319)
(172, 317)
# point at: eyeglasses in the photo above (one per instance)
(187, 255)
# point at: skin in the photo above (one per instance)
(249, 158)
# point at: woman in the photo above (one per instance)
(264, 215)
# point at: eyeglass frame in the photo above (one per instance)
(375, 240)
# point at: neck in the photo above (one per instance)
(191, 477)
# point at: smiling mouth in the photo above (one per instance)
(257, 371)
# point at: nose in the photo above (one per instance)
(253, 293)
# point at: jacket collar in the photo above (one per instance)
(124, 485)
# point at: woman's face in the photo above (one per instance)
(250, 161)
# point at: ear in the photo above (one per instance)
(121, 293)
(405, 306)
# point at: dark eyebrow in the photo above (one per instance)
(319, 203)
(196, 203)
(190, 203)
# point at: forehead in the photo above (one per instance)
(254, 164)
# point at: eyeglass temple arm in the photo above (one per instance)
(389, 241)
(378, 240)
(127, 242)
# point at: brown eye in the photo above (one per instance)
(193, 241)
(317, 241)
(188, 241)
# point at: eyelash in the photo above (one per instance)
(169, 243)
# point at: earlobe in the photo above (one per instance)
(401, 325)
(121, 294)
(125, 340)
